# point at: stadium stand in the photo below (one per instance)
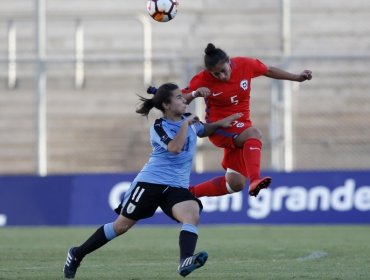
(95, 128)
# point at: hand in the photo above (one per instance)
(202, 92)
(305, 75)
(191, 118)
(227, 122)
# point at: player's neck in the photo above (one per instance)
(172, 117)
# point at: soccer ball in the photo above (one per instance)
(162, 10)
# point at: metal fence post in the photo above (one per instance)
(12, 55)
(79, 55)
(41, 88)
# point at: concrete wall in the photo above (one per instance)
(96, 129)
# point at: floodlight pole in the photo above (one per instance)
(41, 88)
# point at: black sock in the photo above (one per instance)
(95, 241)
(187, 242)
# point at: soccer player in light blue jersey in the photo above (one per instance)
(163, 182)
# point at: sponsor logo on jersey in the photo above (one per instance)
(239, 124)
(164, 138)
(244, 84)
(217, 93)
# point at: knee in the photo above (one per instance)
(249, 133)
(255, 133)
(237, 187)
(120, 228)
(236, 183)
(190, 217)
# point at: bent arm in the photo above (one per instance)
(209, 129)
(175, 146)
(189, 96)
(200, 92)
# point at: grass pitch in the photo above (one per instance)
(235, 252)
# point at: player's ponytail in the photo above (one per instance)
(146, 103)
(213, 56)
(152, 90)
(161, 95)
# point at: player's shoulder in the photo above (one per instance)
(250, 63)
(158, 126)
(200, 77)
(159, 130)
(241, 60)
(159, 123)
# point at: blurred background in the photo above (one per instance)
(71, 142)
(70, 71)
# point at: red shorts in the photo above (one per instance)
(233, 156)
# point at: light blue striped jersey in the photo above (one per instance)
(164, 167)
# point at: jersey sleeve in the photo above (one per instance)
(255, 66)
(194, 84)
(199, 128)
(160, 135)
(259, 68)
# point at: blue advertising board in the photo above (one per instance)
(293, 198)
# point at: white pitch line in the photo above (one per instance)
(313, 256)
(85, 266)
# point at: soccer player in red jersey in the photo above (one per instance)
(226, 84)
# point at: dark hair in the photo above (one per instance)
(213, 56)
(161, 95)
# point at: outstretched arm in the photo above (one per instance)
(277, 73)
(210, 128)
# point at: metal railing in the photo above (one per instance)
(282, 134)
(41, 60)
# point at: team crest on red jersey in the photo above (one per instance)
(244, 84)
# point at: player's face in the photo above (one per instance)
(178, 103)
(221, 71)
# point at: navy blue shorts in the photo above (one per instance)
(145, 198)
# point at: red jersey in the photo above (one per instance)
(232, 96)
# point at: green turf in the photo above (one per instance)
(235, 252)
